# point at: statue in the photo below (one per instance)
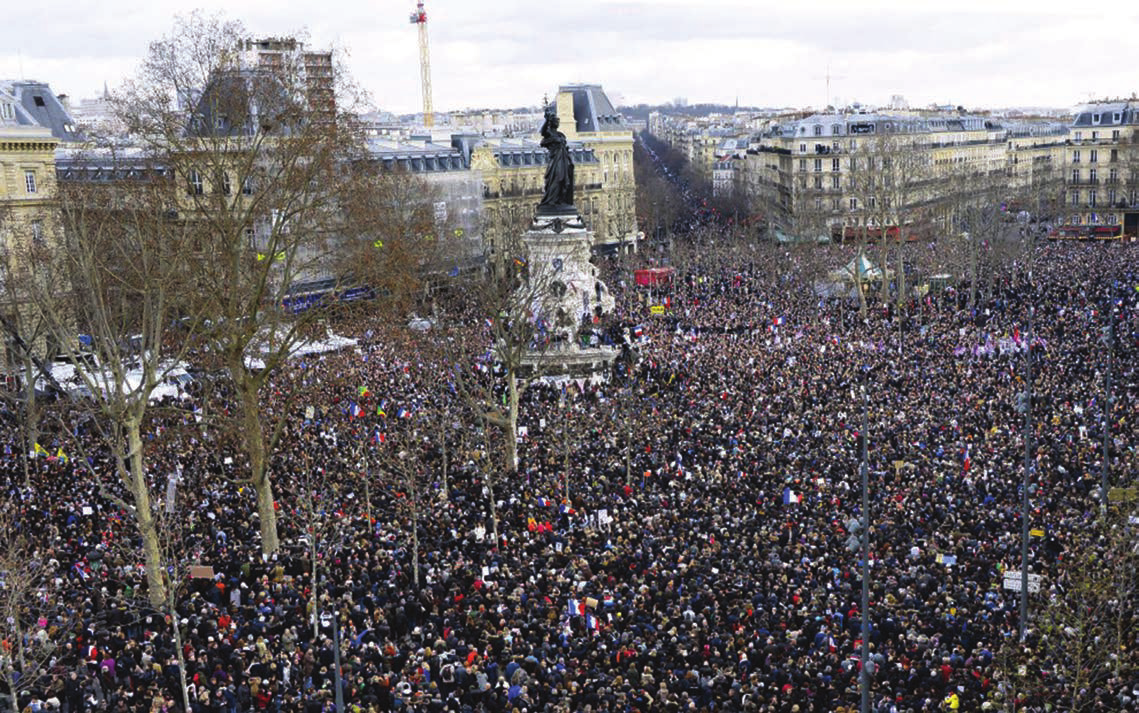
(558, 195)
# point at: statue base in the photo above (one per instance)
(570, 294)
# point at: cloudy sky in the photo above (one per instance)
(508, 53)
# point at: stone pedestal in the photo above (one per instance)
(569, 293)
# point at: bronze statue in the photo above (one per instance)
(558, 195)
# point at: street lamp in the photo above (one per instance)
(331, 620)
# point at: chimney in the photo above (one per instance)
(65, 101)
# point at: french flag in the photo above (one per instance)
(778, 321)
(355, 410)
(591, 622)
(404, 413)
(545, 502)
(574, 607)
(968, 458)
(789, 496)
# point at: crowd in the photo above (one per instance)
(683, 536)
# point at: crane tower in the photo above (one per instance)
(419, 17)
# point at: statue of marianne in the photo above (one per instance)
(558, 194)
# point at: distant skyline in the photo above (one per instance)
(509, 53)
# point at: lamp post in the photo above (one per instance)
(864, 679)
(1108, 343)
(332, 620)
(1027, 406)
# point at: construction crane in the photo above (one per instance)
(419, 17)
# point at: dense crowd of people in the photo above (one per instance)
(683, 535)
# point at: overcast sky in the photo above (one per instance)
(508, 53)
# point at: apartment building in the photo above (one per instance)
(1101, 171)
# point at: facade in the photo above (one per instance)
(1101, 171)
(859, 172)
(33, 122)
(510, 172)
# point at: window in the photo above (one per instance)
(1093, 155)
(1115, 134)
(854, 204)
(834, 146)
(819, 182)
(836, 130)
(834, 182)
(1111, 197)
(1095, 118)
(818, 165)
(1114, 155)
(802, 148)
(247, 186)
(1091, 198)
(818, 129)
(818, 203)
(1115, 117)
(7, 111)
(1113, 175)
(1074, 197)
(30, 181)
(1092, 176)
(1095, 135)
(835, 165)
(854, 144)
(1075, 156)
(1079, 136)
(836, 204)
(196, 187)
(38, 233)
(802, 164)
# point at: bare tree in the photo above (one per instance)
(125, 262)
(258, 139)
(35, 622)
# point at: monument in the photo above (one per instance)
(571, 295)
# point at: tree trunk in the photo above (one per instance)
(144, 516)
(181, 654)
(511, 431)
(254, 437)
(31, 414)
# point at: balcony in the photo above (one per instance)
(1082, 182)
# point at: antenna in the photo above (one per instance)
(828, 77)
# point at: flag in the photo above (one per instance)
(545, 502)
(454, 272)
(381, 409)
(591, 622)
(379, 437)
(404, 413)
(61, 455)
(968, 463)
(778, 321)
(789, 496)
(574, 607)
(489, 323)
(363, 392)
(355, 410)
(38, 450)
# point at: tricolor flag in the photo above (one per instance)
(354, 410)
(363, 392)
(591, 622)
(404, 413)
(545, 502)
(379, 437)
(790, 497)
(968, 463)
(381, 409)
(489, 323)
(574, 607)
(39, 450)
(778, 321)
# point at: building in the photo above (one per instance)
(33, 123)
(1101, 171)
(287, 56)
(510, 171)
(606, 196)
